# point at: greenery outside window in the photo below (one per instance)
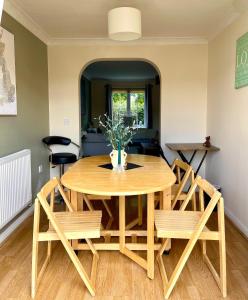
(131, 104)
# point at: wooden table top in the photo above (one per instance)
(85, 176)
(191, 147)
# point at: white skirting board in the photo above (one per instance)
(236, 222)
(15, 224)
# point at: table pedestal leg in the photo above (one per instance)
(122, 222)
(74, 203)
(150, 236)
(149, 263)
(166, 205)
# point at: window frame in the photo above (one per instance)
(129, 91)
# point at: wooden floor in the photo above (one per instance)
(118, 277)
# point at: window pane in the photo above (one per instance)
(119, 102)
(137, 107)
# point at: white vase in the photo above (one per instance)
(114, 159)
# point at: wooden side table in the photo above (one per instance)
(192, 147)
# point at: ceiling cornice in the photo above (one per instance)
(141, 42)
(223, 26)
(27, 21)
(23, 18)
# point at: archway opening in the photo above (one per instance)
(131, 87)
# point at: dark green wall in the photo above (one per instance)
(32, 121)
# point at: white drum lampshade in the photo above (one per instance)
(124, 24)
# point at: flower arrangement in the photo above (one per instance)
(116, 132)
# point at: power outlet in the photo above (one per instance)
(40, 169)
(66, 122)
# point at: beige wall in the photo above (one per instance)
(183, 70)
(228, 124)
(31, 123)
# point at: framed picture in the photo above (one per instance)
(8, 104)
(241, 77)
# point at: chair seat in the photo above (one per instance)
(180, 224)
(76, 225)
(62, 158)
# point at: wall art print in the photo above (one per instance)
(8, 104)
(241, 77)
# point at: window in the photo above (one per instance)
(131, 105)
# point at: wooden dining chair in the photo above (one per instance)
(184, 174)
(63, 226)
(191, 225)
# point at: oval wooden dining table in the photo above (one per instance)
(152, 174)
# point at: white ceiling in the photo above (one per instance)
(160, 18)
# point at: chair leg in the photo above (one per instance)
(222, 247)
(189, 247)
(49, 249)
(95, 259)
(161, 264)
(61, 170)
(76, 262)
(162, 272)
(193, 196)
(35, 249)
(204, 248)
(179, 267)
(36, 277)
(93, 272)
(201, 203)
(221, 277)
(49, 243)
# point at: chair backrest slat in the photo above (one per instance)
(187, 169)
(67, 202)
(48, 189)
(204, 186)
(178, 173)
(201, 199)
(190, 194)
(181, 164)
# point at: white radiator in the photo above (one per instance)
(15, 185)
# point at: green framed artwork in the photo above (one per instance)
(241, 77)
